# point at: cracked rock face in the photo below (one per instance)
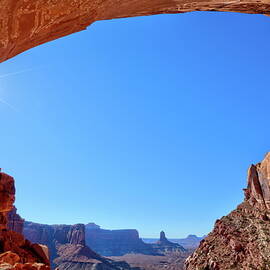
(15, 222)
(25, 24)
(240, 240)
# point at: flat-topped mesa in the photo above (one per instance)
(257, 192)
(15, 251)
(26, 24)
(116, 242)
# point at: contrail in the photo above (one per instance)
(8, 104)
(15, 73)
(8, 75)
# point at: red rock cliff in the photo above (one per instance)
(241, 239)
(68, 249)
(15, 251)
(15, 222)
(27, 23)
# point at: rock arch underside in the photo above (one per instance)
(25, 24)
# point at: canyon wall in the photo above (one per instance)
(25, 24)
(240, 240)
(54, 235)
(68, 247)
(15, 251)
(122, 242)
(116, 242)
(40, 233)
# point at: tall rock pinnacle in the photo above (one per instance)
(162, 237)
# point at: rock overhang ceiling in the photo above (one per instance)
(25, 24)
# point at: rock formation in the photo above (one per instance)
(116, 242)
(162, 237)
(164, 245)
(54, 235)
(68, 248)
(168, 256)
(15, 251)
(191, 242)
(28, 23)
(240, 240)
(15, 222)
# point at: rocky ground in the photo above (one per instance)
(240, 240)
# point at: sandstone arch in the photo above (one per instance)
(25, 24)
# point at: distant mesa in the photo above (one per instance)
(190, 242)
(116, 242)
(68, 247)
(65, 243)
(92, 226)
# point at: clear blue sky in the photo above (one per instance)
(146, 123)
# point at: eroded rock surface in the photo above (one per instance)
(15, 222)
(15, 251)
(25, 24)
(68, 249)
(116, 242)
(163, 245)
(240, 240)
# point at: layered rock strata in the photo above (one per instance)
(54, 236)
(164, 245)
(25, 24)
(116, 242)
(15, 222)
(15, 251)
(68, 248)
(190, 242)
(240, 240)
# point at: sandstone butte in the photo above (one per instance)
(25, 24)
(240, 240)
(15, 251)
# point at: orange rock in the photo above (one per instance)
(6, 266)
(26, 24)
(17, 252)
(9, 257)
